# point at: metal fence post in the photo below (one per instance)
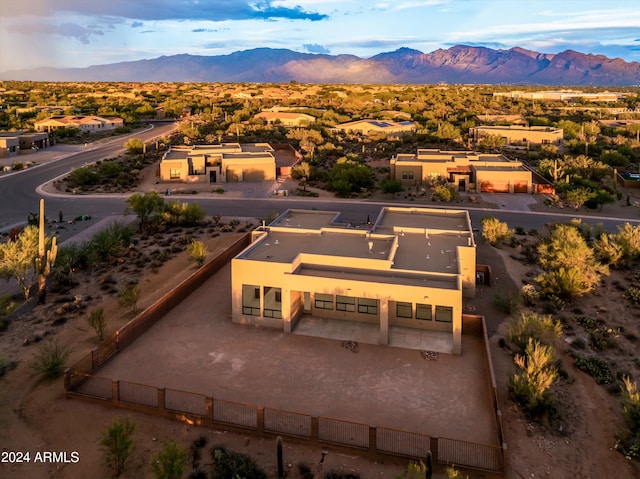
(115, 392)
(260, 420)
(161, 406)
(373, 443)
(208, 409)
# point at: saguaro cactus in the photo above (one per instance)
(46, 257)
(280, 462)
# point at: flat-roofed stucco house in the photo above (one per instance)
(368, 127)
(518, 134)
(409, 270)
(464, 170)
(288, 119)
(9, 146)
(226, 162)
(86, 124)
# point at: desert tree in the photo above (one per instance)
(145, 205)
(18, 259)
(571, 267)
(171, 462)
(391, 187)
(495, 231)
(135, 146)
(117, 444)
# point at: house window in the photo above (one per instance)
(250, 300)
(404, 310)
(323, 301)
(423, 311)
(367, 306)
(345, 303)
(174, 174)
(444, 314)
(272, 302)
(407, 175)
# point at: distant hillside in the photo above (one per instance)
(458, 64)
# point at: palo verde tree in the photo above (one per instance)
(18, 257)
(145, 205)
(570, 265)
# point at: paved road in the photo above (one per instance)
(19, 195)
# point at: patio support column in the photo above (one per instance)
(286, 310)
(384, 321)
(457, 331)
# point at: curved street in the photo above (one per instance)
(20, 194)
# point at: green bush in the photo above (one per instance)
(633, 294)
(629, 443)
(444, 193)
(171, 462)
(117, 444)
(128, 298)
(84, 176)
(495, 231)
(506, 301)
(50, 359)
(595, 367)
(229, 464)
(530, 385)
(197, 252)
(109, 242)
(98, 321)
(533, 326)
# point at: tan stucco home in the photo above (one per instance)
(410, 269)
(86, 124)
(226, 162)
(518, 134)
(465, 170)
(284, 118)
(368, 127)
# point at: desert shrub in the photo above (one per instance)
(529, 294)
(595, 367)
(305, 471)
(629, 443)
(128, 297)
(50, 359)
(117, 444)
(533, 326)
(134, 146)
(84, 176)
(453, 473)
(17, 166)
(98, 321)
(530, 385)
(197, 252)
(340, 475)
(171, 462)
(230, 464)
(444, 193)
(506, 301)
(110, 169)
(570, 264)
(109, 242)
(495, 231)
(6, 365)
(633, 294)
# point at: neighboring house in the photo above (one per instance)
(464, 170)
(407, 273)
(368, 127)
(518, 134)
(33, 141)
(287, 119)
(9, 146)
(562, 95)
(86, 124)
(227, 162)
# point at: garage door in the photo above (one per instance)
(494, 187)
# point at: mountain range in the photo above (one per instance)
(458, 64)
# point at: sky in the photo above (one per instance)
(80, 33)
